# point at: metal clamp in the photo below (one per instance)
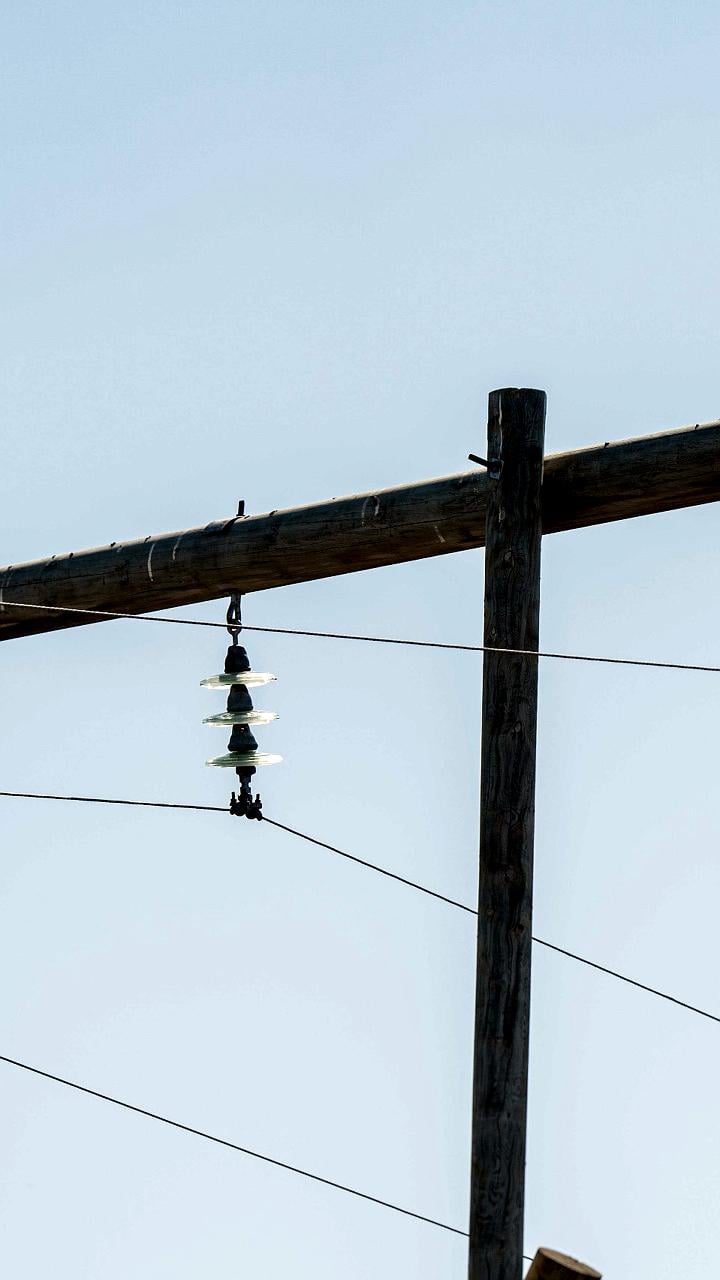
(245, 805)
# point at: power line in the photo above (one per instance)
(234, 1146)
(213, 808)
(487, 648)
(624, 978)
(110, 613)
(141, 804)
(541, 942)
(397, 640)
(371, 866)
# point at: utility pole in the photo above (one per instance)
(506, 509)
(516, 434)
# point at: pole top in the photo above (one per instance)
(550, 1265)
(517, 391)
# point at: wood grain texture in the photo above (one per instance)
(549, 1265)
(365, 531)
(254, 553)
(516, 430)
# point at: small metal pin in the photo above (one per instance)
(492, 465)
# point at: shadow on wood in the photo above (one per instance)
(549, 1265)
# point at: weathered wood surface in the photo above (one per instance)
(390, 526)
(516, 430)
(549, 1265)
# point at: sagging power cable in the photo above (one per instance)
(225, 1142)
(370, 866)
(397, 640)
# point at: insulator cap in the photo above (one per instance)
(242, 739)
(236, 659)
(239, 699)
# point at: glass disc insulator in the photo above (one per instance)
(242, 717)
(240, 759)
(248, 678)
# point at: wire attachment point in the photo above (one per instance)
(245, 805)
(233, 616)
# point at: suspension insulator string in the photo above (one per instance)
(243, 754)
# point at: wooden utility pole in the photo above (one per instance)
(516, 433)
(507, 510)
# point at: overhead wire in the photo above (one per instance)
(234, 1146)
(541, 942)
(633, 982)
(371, 866)
(368, 639)
(371, 639)
(141, 804)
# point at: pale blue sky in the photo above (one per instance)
(282, 251)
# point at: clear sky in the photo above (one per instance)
(282, 251)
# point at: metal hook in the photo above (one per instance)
(234, 613)
(233, 616)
